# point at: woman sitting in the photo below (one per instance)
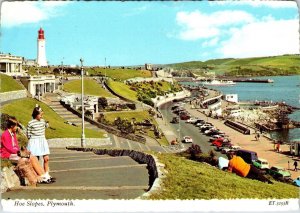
(9, 150)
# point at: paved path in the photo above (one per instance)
(85, 175)
(264, 147)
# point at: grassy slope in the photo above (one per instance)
(122, 90)
(120, 74)
(22, 110)
(91, 87)
(139, 116)
(193, 180)
(7, 84)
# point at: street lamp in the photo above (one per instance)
(105, 66)
(82, 107)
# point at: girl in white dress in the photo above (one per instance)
(37, 144)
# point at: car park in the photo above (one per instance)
(261, 163)
(187, 139)
(279, 172)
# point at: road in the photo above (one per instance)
(187, 129)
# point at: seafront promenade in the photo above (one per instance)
(264, 147)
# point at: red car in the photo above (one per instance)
(221, 142)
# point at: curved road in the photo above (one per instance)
(187, 129)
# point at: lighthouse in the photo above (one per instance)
(41, 49)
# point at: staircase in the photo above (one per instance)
(51, 100)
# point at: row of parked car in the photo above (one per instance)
(223, 144)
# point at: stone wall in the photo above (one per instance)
(12, 95)
(9, 179)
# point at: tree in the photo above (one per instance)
(102, 103)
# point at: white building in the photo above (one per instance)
(41, 49)
(39, 85)
(231, 98)
(11, 65)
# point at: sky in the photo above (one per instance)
(134, 33)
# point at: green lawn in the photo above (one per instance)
(122, 89)
(22, 110)
(91, 87)
(119, 74)
(139, 116)
(186, 179)
(8, 84)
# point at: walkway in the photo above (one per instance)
(85, 175)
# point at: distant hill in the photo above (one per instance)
(258, 66)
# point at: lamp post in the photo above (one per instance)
(105, 67)
(62, 72)
(82, 107)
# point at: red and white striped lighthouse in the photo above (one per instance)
(41, 49)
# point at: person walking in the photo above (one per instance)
(296, 166)
(241, 168)
(37, 144)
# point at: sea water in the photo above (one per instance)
(284, 88)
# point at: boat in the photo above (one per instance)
(219, 83)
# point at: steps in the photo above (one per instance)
(85, 175)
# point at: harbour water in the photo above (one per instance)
(284, 88)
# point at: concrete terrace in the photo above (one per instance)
(86, 175)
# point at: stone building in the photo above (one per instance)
(11, 65)
(38, 85)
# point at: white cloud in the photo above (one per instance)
(18, 13)
(197, 25)
(262, 38)
(210, 43)
(257, 3)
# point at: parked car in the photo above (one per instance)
(247, 155)
(225, 150)
(279, 172)
(187, 139)
(214, 137)
(191, 120)
(175, 120)
(261, 163)
(198, 121)
(184, 116)
(296, 182)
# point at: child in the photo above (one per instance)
(37, 144)
(10, 147)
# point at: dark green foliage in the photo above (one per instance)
(102, 103)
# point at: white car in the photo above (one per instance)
(187, 139)
(191, 120)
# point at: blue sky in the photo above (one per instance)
(134, 33)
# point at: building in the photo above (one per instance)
(231, 98)
(41, 49)
(38, 85)
(11, 65)
(29, 62)
(148, 66)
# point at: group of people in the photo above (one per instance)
(237, 165)
(37, 144)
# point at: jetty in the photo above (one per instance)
(251, 80)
